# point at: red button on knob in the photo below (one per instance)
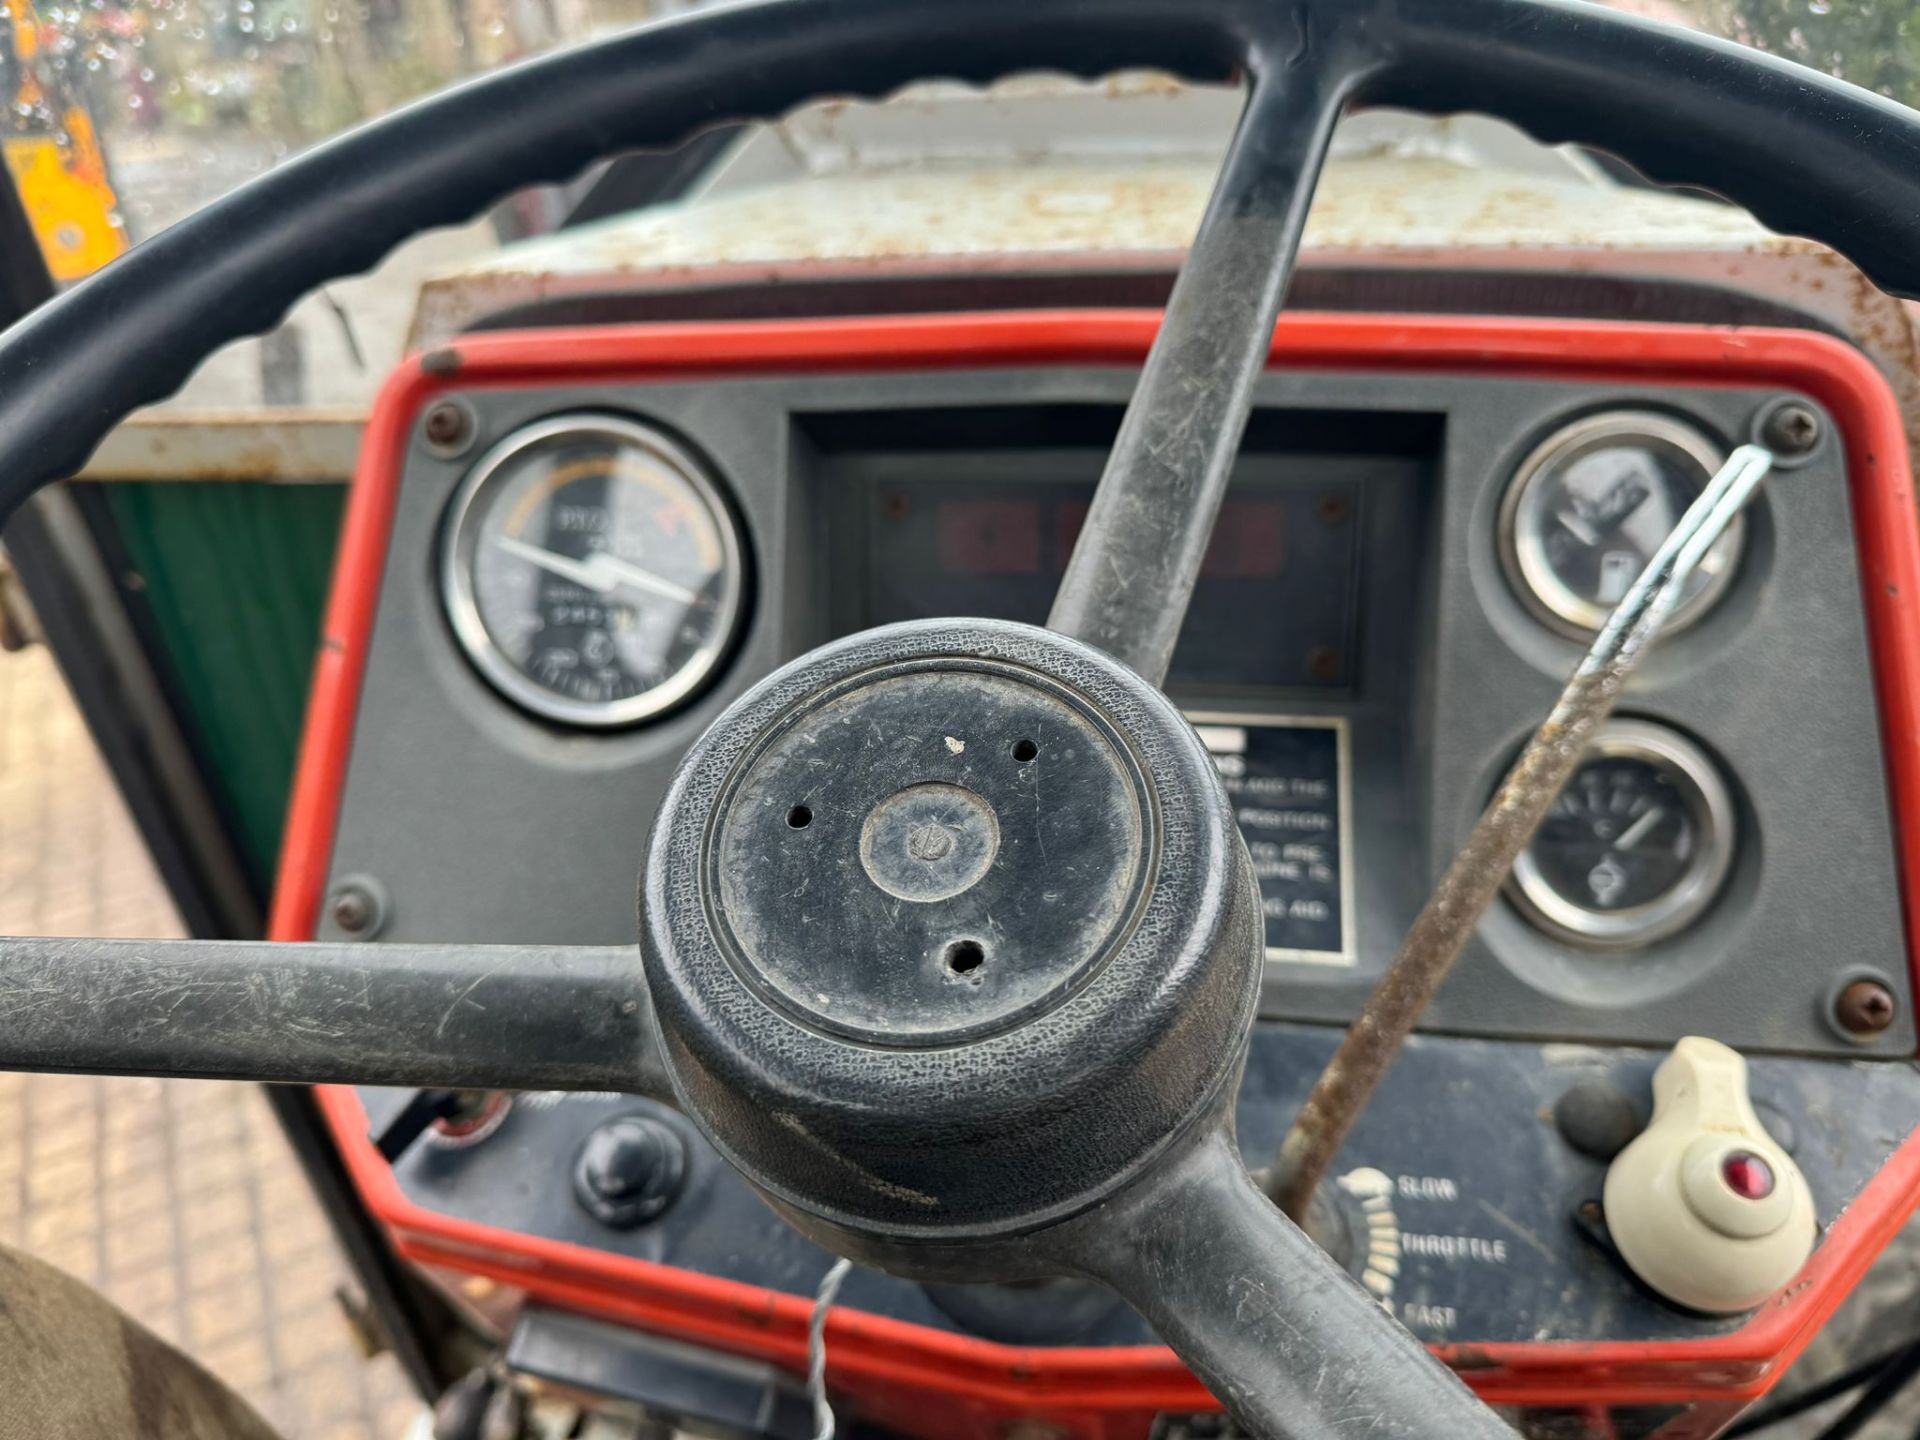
(1747, 1175)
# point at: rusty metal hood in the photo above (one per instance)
(1049, 176)
(966, 214)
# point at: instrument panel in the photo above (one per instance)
(1364, 657)
(614, 564)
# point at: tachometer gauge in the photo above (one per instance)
(1636, 847)
(591, 571)
(1587, 509)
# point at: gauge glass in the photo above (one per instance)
(591, 571)
(1589, 507)
(1637, 845)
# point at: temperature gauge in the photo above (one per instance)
(1589, 507)
(592, 572)
(1636, 847)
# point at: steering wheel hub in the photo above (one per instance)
(929, 852)
(949, 928)
(929, 842)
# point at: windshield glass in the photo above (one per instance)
(188, 98)
(126, 115)
(1864, 41)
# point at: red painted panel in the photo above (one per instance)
(950, 1387)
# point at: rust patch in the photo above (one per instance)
(285, 446)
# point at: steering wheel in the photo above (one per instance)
(977, 1009)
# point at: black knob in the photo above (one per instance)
(1596, 1118)
(629, 1171)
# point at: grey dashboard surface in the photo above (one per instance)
(1481, 1250)
(483, 823)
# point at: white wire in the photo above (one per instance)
(817, 1348)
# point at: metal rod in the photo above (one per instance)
(1505, 828)
(1133, 569)
(507, 1017)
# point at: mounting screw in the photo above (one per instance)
(448, 427)
(358, 908)
(1790, 429)
(1865, 1008)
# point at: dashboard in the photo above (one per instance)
(570, 551)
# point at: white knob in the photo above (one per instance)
(1704, 1206)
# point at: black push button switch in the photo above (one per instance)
(629, 1171)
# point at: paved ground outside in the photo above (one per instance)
(178, 1199)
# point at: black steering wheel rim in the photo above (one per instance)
(1805, 153)
(1679, 107)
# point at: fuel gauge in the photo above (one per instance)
(1637, 846)
(1588, 508)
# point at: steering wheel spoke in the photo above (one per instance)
(1133, 569)
(882, 1112)
(1289, 1342)
(516, 1017)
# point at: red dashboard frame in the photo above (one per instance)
(939, 1385)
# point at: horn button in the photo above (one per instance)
(976, 842)
(949, 932)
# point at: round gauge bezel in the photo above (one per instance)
(1710, 803)
(459, 548)
(1531, 576)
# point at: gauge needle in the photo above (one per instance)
(1579, 528)
(1637, 831)
(599, 572)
